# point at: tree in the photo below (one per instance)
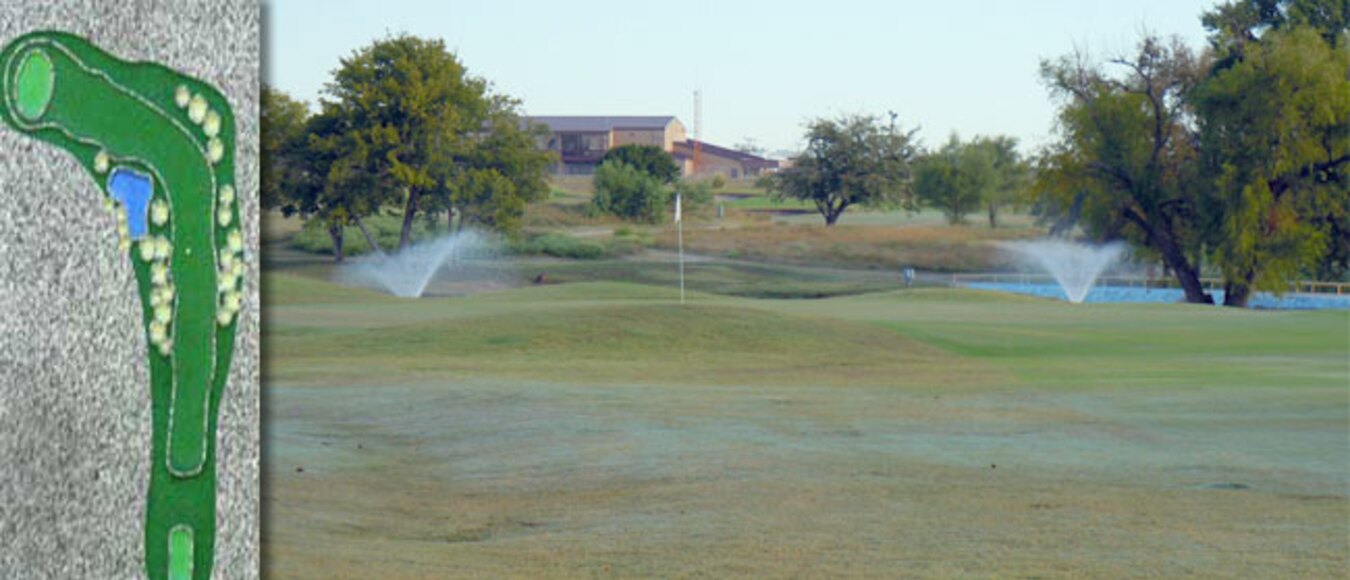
(1236, 24)
(413, 106)
(315, 170)
(1275, 143)
(282, 121)
(1010, 174)
(626, 191)
(649, 159)
(333, 180)
(956, 179)
(852, 160)
(491, 183)
(1239, 160)
(1125, 164)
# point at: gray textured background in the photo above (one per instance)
(74, 395)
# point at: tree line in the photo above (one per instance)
(1233, 159)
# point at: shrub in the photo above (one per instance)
(695, 194)
(649, 159)
(624, 191)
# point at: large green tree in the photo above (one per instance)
(1010, 174)
(413, 106)
(316, 170)
(491, 182)
(282, 121)
(956, 179)
(1124, 164)
(1237, 159)
(961, 177)
(852, 160)
(353, 183)
(1275, 144)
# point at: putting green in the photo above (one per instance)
(161, 147)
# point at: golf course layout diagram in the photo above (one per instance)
(160, 145)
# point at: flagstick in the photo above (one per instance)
(679, 225)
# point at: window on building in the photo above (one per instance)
(583, 143)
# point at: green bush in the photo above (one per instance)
(562, 246)
(627, 192)
(695, 194)
(649, 159)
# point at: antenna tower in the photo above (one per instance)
(698, 130)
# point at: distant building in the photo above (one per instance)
(713, 160)
(581, 141)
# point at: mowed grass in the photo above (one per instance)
(1052, 343)
(727, 277)
(634, 340)
(618, 332)
(600, 429)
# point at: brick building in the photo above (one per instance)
(581, 141)
(714, 160)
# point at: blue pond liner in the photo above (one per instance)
(133, 190)
(1105, 294)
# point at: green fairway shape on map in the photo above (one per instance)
(160, 145)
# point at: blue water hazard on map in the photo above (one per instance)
(132, 189)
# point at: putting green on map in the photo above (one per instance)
(160, 145)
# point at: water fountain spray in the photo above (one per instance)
(1074, 266)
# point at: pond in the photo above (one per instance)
(1262, 300)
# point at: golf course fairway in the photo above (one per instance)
(602, 430)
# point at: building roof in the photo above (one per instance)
(562, 124)
(685, 149)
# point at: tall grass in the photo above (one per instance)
(560, 245)
(936, 248)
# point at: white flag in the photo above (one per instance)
(677, 208)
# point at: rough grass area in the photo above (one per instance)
(561, 245)
(556, 215)
(603, 430)
(934, 248)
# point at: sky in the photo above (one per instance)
(764, 68)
